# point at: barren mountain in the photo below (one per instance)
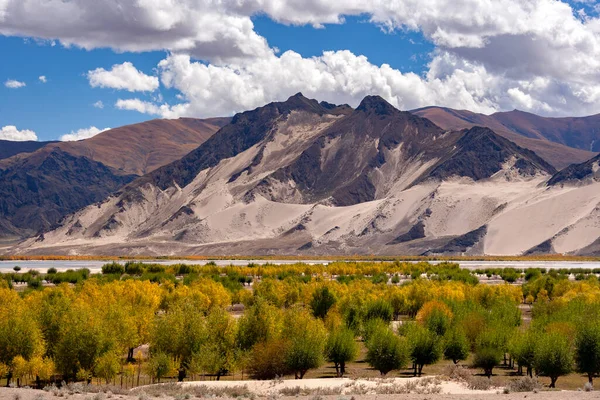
(310, 178)
(38, 188)
(553, 147)
(9, 148)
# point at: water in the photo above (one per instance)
(95, 266)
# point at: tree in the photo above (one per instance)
(306, 341)
(456, 345)
(425, 347)
(340, 349)
(486, 358)
(322, 300)
(219, 351)
(522, 348)
(553, 356)
(379, 309)
(261, 322)
(108, 366)
(587, 350)
(180, 333)
(159, 366)
(435, 316)
(267, 361)
(386, 351)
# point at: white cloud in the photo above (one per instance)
(82, 134)
(13, 84)
(99, 104)
(43, 79)
(11, 132)
(541, 55)
(123, 77)
(207, 29)
(342, 77)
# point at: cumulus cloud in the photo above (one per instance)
(13, 84)
(43, 79)
(343, 77)
(206, 29)
(11, 132)
(123, 77)
(81, 134)
(99, 104)
(540, 55)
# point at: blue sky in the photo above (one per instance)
(224, 57)
(66, 102)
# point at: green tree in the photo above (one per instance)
(160, 365)
(340, 349)
(322, 300)
(306, 338)
(456, 345)
(219, 350)
(379, 309)
(425, 347)
(587, 350)
(553, 356)
(180, 333)
(522, 348)
(386, 351)
(108, 366)
(486, 358)
(261, 322)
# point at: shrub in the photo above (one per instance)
(525, 384)
(51, 271)
(478, 383)
(113, 268)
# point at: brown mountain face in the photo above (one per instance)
(560, 153)
(37, 189)
(141, 148)
(9, 148)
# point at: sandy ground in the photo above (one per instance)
(31, 394)
(347, 385)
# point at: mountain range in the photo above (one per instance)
(309, 177)
(40, 183)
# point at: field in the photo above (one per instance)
(347, 323)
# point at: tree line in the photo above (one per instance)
(295, 319)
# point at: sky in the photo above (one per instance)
(72, 69)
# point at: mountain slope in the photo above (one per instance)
(556, 153)
(9, 148)
(141, 148)
(37, 191)
(299, 177)
(41, 187)
(586, 172)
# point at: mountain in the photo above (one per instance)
(558, 152)
(37, 189)
(9, 148)
(303, 177)
(583, 173)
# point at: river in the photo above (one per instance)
(96, 265)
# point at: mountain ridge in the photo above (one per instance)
(297, 177)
